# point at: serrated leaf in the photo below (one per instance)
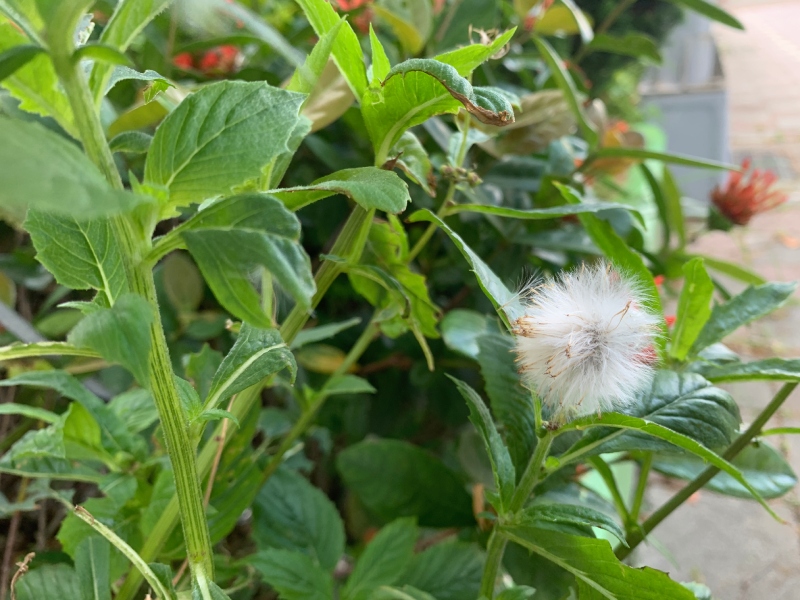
(291, 514)
(49, 582)
(70, 185)
(567, 518)
(450, 570)
(682, 402)
(395, 479)
(762, 465)
(418, 89)
(219, 137)
(370, 187)
(120, 334)
(501, 297)
(232, 238)
(384, 561)
(256, 354)
(596, 568)
(81, 254)
(694, 308)
(502, 467)
(751, 304)
(35, 84)
(293, 575)
(511, 403)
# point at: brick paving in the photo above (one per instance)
(732, 545)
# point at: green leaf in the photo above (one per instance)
(567, 518)
(346, 49)
(616, 250)
(694, 308)
(520, 592)
(370, 187)
(35, 84)
(122, 73)
(396, 479)
(214, 592)
(16, 57)
(17, 350)
(256, 354)
(293, 575)
(49, 582)
(762, 465)
(380, 62)
(136, 408)
(468, 58)
(511, 403)
(642, 154)
(501, 297)
(405, 593)
(164, 574)
(769, 369)
(584, 27)
(230, 239)
(134, 142)
(31, 412)
(564, 82)
(384, 561)
(599, 573)
(183, 283)
(99, 52)
(219, 137)
(537, 214)
(414, 161)
(347, 384)
(450, 570)
(677, 439)
(733, 270)
(291, 514)
(751, 304)
(411, 21)
(462, 329)
(673, 207)
(317, 334)
(631, 44)
(712, 11)
(502, 467)
(305, 77)
(128, 21)
(81, 255)
(91, 566)
(70, 185)
(120, 334)
(682, 402)
(418, 89)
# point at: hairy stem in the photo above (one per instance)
(494, 558)
(161, 377)
(634, 538)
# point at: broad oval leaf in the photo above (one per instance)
(450, 570)
(219, 137)
(291, 514)
(293, 575)
(761, 464)
(230, 239)
(395, 479)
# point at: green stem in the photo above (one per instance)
(636, 537)
(307, 418)
(641, 486)
(349, 245)
(140, 276)
(494, 558)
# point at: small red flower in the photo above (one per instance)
(209, 61)
(183, 61)
(739, 199)
(670, 319)
(220, 60)
(658, 280)
(348, 5)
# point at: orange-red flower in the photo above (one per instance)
(670, 320)
(351, 4)
(183, 61)
(742, 198)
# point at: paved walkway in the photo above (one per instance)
(732, 545)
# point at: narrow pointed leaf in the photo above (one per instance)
(694, 308)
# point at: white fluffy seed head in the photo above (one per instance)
(584, 342)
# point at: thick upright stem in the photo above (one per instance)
(636, 537)
(494, 558)
(140, 278)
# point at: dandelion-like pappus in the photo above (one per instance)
(584, 342)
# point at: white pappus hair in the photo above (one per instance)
(584, 342)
